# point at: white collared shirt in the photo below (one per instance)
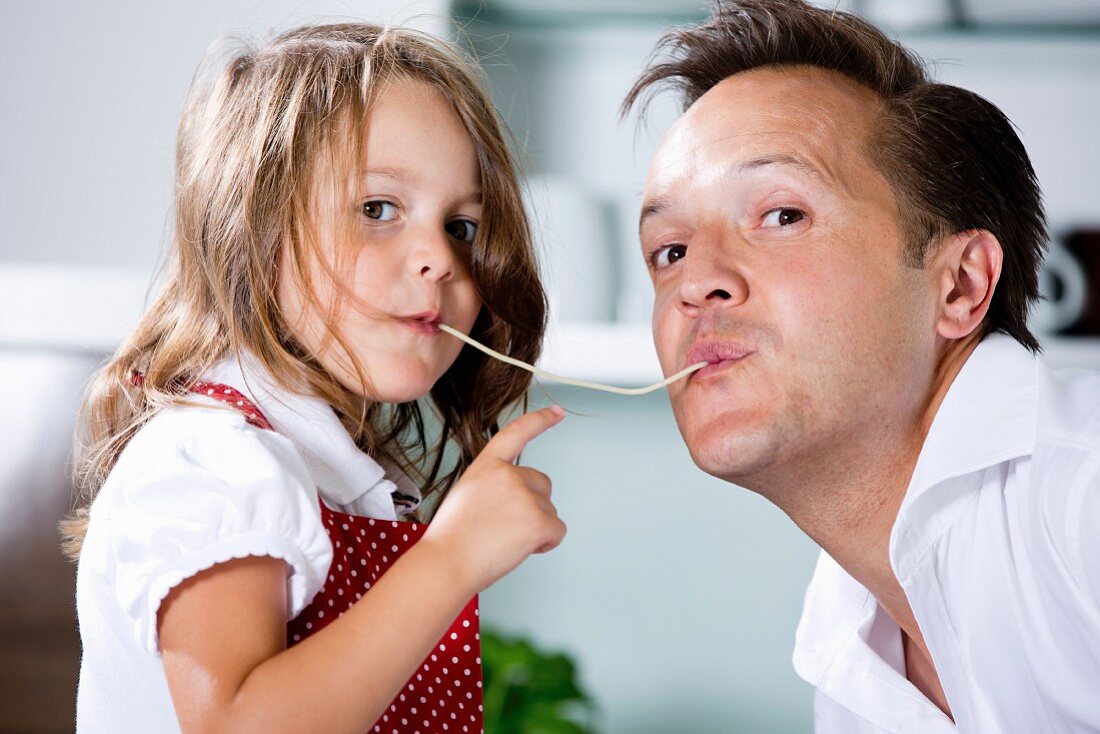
(196, 486)
(997, 546)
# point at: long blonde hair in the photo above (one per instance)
(251, 135)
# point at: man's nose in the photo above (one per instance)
(432, 256)
(709, 275)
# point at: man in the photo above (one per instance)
(854, 249)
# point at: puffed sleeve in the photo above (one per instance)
(197, 487)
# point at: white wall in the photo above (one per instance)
(678, 594)
(1049, 86)
(91, 94)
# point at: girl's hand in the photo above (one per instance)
(498, 513)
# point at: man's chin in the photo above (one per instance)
(732, 456)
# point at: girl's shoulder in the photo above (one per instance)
(198, 485)
(204, 430)
(202, 444)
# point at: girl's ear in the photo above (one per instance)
(969, 266)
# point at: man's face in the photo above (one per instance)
(777, 254)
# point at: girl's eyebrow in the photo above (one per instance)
(398, 174)
(404, 175)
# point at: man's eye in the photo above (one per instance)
(462, 229)
(783, 217)
(382, 211)
(668, 255)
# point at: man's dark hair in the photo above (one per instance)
(952, 158)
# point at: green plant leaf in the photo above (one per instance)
(528, 691)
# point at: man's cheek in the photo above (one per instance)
(665, 337)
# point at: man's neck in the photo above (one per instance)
(851, 514)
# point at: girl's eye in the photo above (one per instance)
(668, 255)
(382, 211)
(462, 230)
(783, 217)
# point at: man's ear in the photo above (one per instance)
(969, 266)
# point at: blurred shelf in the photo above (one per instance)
(1001, 19)
(91, 310)
(69, 308)
(575, 14)
(619, 354)
(1072, 351)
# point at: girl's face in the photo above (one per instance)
(417, 204)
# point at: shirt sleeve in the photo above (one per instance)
(203, 487)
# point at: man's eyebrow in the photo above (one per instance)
(784, 159)
(660, 205)
(652, 208)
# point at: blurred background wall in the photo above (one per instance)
(677, 594)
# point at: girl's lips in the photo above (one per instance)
(422, 327)
(425, 322)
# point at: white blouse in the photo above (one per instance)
(197, 486)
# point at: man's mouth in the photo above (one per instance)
(719, 356)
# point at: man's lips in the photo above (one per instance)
(717, 354)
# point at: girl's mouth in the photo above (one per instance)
(425, 322)
(421, 327)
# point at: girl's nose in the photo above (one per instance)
(433, 256)
(709, 276)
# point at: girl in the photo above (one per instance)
(249, 562)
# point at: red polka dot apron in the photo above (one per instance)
(444, 694)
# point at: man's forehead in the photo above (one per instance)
(786, 92)
(796, 115)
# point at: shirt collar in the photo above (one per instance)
(850, 650)
(988, 416)
(343, 473)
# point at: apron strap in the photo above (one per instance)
(234, 399)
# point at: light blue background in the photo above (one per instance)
(677, 593)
